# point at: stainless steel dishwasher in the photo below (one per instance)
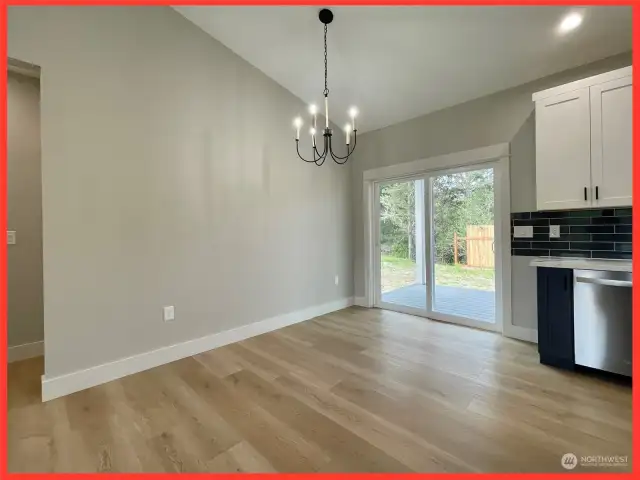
(602, 320)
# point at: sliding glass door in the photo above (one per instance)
(436, 246)
(401, 245)
(463, 248)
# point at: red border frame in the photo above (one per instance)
(3, 212)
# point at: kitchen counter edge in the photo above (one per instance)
(582, 263)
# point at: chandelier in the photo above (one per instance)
(326, 16)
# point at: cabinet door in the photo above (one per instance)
(611, 133)
(563, 150)
(555, 317)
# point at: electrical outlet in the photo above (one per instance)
(523, 232)
(169, 313)
(11, 237)
(337, 280)
(554, 231)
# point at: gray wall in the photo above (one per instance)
(170, 178)
(24, 202)
(505, 116)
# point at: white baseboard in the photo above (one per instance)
(54, 387)
(22, 352)
(360, 301)
(521, 333)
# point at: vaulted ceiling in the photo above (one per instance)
(397, 63)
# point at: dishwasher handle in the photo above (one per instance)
(604, 281)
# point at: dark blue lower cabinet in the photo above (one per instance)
(555, 317)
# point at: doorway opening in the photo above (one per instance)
(25, 312)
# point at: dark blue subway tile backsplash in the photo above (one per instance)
(593, 233)
(593, 229)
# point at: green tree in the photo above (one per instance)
(459, 199)
(397, 208)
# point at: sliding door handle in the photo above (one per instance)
(596, 192)
(585, 194)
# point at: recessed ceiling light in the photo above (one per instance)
(570, 22)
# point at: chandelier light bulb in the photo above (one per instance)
(297, 123)
(347, 131)
(313, 110)
(353, 113)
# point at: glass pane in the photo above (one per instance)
(401, 248)
(463, 244)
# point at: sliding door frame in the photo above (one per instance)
(497, 157)
(377, 267)
(497, 324)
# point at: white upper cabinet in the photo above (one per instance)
(563, 177)
(611, 133)
(583, 143)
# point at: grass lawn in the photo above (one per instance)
(401, 272)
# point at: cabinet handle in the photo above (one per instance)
(596, 192)
(585, 194)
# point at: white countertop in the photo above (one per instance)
(582, 263)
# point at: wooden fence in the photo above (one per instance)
(479, 245)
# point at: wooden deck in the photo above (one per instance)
(459, 301)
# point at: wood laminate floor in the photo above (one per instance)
(356, 390)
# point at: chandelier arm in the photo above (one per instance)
(321, 156)
(301, 157)
(327, 148)
(324, 152)
(338, 157)
(317, 159)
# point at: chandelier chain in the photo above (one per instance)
(326, 88)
